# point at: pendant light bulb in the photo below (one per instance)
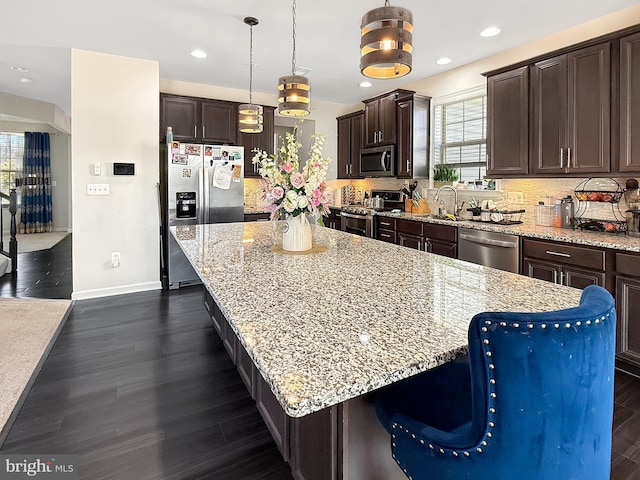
(294, 91)
(250, 115)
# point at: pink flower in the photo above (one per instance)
(316, 201)
(297, 180)
(317, 193)
(287, 167)
(277, 192)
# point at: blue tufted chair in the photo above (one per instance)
(533, 400)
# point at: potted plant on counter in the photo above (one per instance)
(444, 174)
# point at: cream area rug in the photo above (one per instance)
(31, 242)
(27, 328)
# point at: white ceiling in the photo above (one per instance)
(38, 35)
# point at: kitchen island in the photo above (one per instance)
(323, 330)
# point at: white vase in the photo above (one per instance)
(296, 236)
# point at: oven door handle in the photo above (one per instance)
(352, 215)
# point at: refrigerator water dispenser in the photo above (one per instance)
(185, 204)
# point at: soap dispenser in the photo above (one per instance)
(566, 212)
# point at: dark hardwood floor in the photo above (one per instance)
(141, 387)
(41, 274)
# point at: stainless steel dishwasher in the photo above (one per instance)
(491, 249)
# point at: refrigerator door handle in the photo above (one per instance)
(203, 180)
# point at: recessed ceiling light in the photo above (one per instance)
(15, 68)
(199, 54)
(490, 32)
(365, 84)
(443, 61)
(25, 80)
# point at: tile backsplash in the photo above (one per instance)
(512, 193)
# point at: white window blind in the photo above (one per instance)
(460, 136)
(11, 155)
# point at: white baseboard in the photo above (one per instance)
(62, 229)
(121, 290)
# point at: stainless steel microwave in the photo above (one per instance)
(378, 161)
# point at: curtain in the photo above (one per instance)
(36, 214)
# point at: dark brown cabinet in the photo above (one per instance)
(571, 96)
(350, 135)
(198, 119)
(428, 237)
(413, 136)
(508, 123)
(627, 307)
(380, 120)
(630, 104)
(262, 141)
(333, 219)
(564, 264)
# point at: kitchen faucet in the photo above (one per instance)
(456, 208)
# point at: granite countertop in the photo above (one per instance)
(324, 328)
(595, 239)
(256, 209)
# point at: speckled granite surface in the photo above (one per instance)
(594, 239)
(331, 326)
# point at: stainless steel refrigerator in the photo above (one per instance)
(204, 185)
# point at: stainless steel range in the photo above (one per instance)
(358, 218)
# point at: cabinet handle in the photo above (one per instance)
(555, 276)
(375, 137)
(350, 169)
(203, 135)
(561, 157)
(385, 235)
(407, 166)
(346, 169)
(561, 282)
(419, 245)
(558, 254)
(379, 135)
(428, 246)
(569, 158)
(195, 131)
(385, 224)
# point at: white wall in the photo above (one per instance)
(115, 111)
(60, 169)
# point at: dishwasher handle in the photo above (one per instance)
(487, 241)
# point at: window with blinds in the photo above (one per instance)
(460, 136)
(11, 154)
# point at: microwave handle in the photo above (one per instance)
(383, 161)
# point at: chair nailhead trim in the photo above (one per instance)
(588, 322)
(567, 325)
(543, 326)
(503, 324)
(489, 434)
(488, 354)
(557, 325)
(431, 446)
(422, 441)
(492, 381)
(442, 451)
(491, 366)
(492, 410)
(413, 436)
(484, 443)
(479, 450)
(491, 424)
(454, 453)
(516, 325)
(493, 395)
(484, 329)
(530, 325)
(486, 342)
(487, 322)
(466, 454)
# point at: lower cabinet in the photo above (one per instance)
(429, 237)
(565, 264)
(628, 312)
(257, 217)
(333, 219)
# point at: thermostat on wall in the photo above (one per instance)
(124, 169)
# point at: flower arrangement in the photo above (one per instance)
(286, 189)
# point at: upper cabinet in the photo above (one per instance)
(413, 136)
(571, 97)
(508, 123)
(380, 120)
(263, 141)
(630, 103)
(583, 109)
(350, 133)
(198, 119)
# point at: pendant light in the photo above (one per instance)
(386, 42)
(294, 90)
(250, 118)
